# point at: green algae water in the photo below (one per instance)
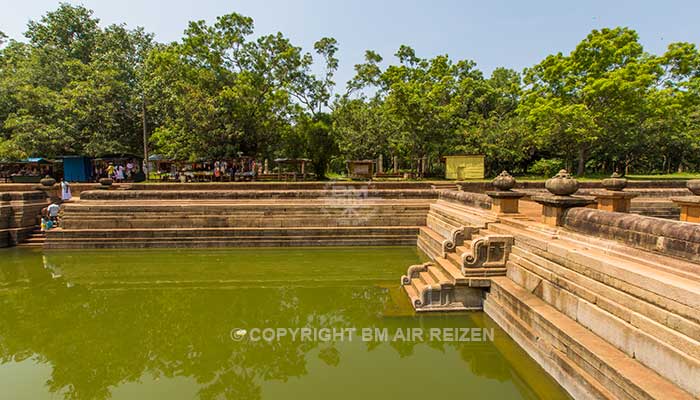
(219, 324)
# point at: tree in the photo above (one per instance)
(592, 100)
(73, 89)
(218, 94)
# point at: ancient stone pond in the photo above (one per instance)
(165, 324)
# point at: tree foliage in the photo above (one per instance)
(77, 87)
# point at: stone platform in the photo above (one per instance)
(122, 219)
(19, 215)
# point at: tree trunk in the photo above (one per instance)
(581, 162)
(145, 136)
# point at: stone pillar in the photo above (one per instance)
(613, 198)
(504, 200)
(690, 205)
(380, 164)
(266, 169)
(561, 187)
(395, 162)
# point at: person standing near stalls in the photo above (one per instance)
(65, 190)
(129, 169)
(119, 172)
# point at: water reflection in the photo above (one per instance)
(103, 320)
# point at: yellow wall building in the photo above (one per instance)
(464, 167)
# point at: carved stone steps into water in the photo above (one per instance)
(429, 289)
(585, 364)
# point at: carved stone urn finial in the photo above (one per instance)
(562, 184)
(694, 186)
(504, 182)
(615, 183)
(47, 181)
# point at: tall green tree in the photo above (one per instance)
(73, 88)
(219, 93)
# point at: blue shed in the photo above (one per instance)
(77, 168)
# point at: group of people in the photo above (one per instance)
(32, 171)
(49, 217)
(120, 172)
(237, 169)
(50, 214)
(220, 170)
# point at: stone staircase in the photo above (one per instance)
(231, 237)
(465, 255)
(35, 239)
(329, 221)
(445, 186)
(609, 321)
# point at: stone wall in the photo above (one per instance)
(19, 215)
(296, 186)
(471, 199)
(673, 238)
(203, 194)
(76, 188)
(481, 187)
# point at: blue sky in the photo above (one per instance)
(514, 34)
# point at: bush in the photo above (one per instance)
(546, 167)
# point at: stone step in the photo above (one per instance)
(223, 222)
(588, 366)
(442, 296)
(457, 215)
(31, 244)
(235, 207)
(465, 214)
(439, 275)
(230, 232)
(452, 271)
(664, 277)
(159, 195)
(243, 242)
(422, 281)
(433, 238)
(653, 312)
(413, 294)
(444, 220)
(640, 329)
